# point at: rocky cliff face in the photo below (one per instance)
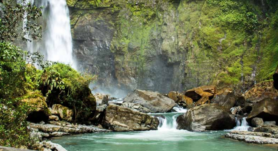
(175, 44)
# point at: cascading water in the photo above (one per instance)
(242, 125)
(56, 43)
(57, 37)
(179, 109)
(168, 122)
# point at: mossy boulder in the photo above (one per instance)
(64, 85)
(39, 109)
(64, 112)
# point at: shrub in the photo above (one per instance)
(64, 85)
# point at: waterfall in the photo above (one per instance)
(168, 122)
(242, 125)
(56, 43)
(57, 37)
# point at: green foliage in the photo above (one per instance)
(12, 69)
(14, 130)
(11, 25)
(64, 85)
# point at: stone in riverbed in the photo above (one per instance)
(64, 112)
(260, 92)
(225, 98)
(266, 109)
(206, 117)
(118, 118)
(49, 146)
(270, 123)
(54, 118)
(203, 91)
(154, 101)
(257, 122)
(253, 137)
(174, 96)
(267, 129)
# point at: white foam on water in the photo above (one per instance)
(242, 125)
(179, 109)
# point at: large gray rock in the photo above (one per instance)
(118, 118)
(154, 101)
(12, 149)
(270, 123)
(206, 117)
(253, 137)
(225, 98)
(257, 122)
(266, 109)
(267, 129)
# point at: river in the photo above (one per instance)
(166, 138)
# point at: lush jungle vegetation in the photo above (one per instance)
(27, 80)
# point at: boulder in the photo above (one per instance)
(154, 101)
(37, 102)
(257, 122)
(240, 101)
(136, 107)
(54, 118)
(267, 129)
(64, 112)
(266, 109)
(174, 96)
(203, 91)
(47, 145)
(260, 92)
(253, 137)
(118, 118)
(99, 114)
(186, 102)
(270, 123)
(206, 117)
(225, 98)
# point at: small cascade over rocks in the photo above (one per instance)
(168, 121)
(179, 109)
(241, 124)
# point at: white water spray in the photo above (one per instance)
(168, 122)
(179, 109)
(242, 125)
(57, 38)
